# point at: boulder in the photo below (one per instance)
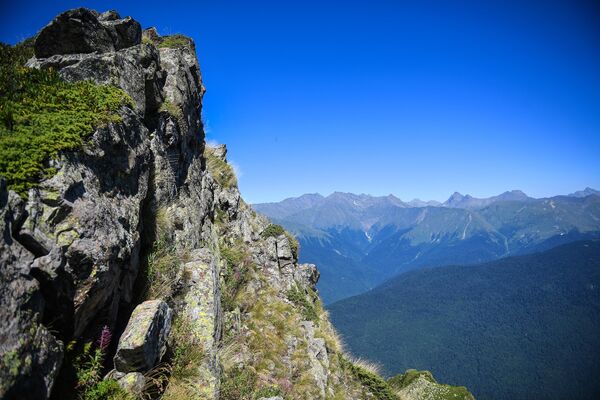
(124, 32)
(74, 31)
(143, 343)
(85, 31)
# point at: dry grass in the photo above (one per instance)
(367, 365)
(219, 169)
(188, 356)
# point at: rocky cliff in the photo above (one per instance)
(130, 267)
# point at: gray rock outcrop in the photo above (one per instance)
(71, 252)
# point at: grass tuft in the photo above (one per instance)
(297, 296)
(176, 41)
(188, 356)
(238, 265)
(370, 380)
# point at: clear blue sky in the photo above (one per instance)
(415, 98)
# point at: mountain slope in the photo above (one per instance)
(370, 239)
(520, 327)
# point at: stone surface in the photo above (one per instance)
(30, 356)
(85, 31)
(143, 343)
(133, 382)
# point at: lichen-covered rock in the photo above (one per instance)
(133, 382)
(143, 343)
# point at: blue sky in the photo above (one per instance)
(418, 99)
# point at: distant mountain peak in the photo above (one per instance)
(588, 191)
(458, 200)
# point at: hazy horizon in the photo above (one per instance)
(408, 199)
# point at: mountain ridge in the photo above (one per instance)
(388, 237)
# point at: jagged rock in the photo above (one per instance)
(30, 357)
(319, 359)
(124, 32)
(220, 151)
(307, 275)
(74, 31)
(85, 31)
(284, 251)
(201, 306)
(143, 343)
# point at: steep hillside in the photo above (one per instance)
(518, 328)
(130, 267)
(370, 239)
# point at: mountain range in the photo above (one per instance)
(361, 240)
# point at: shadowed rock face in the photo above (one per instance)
(85, 31)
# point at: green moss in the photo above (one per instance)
(423, 383)
(162, 271)
(41, 115)
(268, 391)
(188, 354)
(174, 42)
(184, 367)
(294, 245)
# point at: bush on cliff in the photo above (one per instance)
(42, 115)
